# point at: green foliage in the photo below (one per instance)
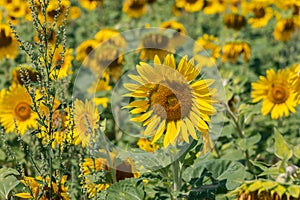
(8, 181)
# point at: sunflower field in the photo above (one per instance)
(150, 99)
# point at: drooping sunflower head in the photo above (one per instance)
(135, 8)
(15, 109)
(25, 73)
(8, 43)
(190, 5)
(177, 37)
(276, 93)
(91, 4)
(284, 29)
(110, 37)
(171, 101)
(155, 44)
(108, 59)
(206, 50)
(234, 21)
(232, 50)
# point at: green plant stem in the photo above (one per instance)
(176, 178)
(241, 134)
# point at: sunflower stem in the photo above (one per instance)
(239, 128)
(176, 178)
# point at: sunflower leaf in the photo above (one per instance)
(282, 150)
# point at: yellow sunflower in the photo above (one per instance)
(284, 29)
(232, 50)
(25, 73)
(91, 4)
(84, 49)
(15, 108)
(178, 37)
(266, 190)
(276, 93)
(262, 13)
(190, 5)
(124, 169)
(146, 145)
(214, 6)
(52, 11)
(62, 66)
(51, 37)
(58, 137)
(295, 80)
(155, 44)
(172, 101)
(204, 44)
(101, 85)
(37, 189)
(110, 37)
(108, 59)
(135, 8)
(8, 43)
(17, 8)
(234, 21)
(85, 118)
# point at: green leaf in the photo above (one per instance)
(130, 188)
(281, 148)
(7, 181)
(232, 171)
(294, 191)
(194, 171)
(297, 151)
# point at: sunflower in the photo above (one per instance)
(284, 29)
(25, 73)
(155, 44)
(232, 50)
(108, 59)
(214, 6)
(101, 85)
(266, 190)
(234, 21)
(17, 8)
(110, 37)
(262, 13)
(178, 37)
(58, 136)
(204, 44)
(51, 37)
(276, 93)
(85, 118)
(15, 109)
(62, 66)
(135, 8)
(84, 49)
(146, 145)
(91, 4)
(190, 5)
(8, 44)
(38, 189)
(295, 80)
(173, 103)
(124, 169)
(57, 10)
